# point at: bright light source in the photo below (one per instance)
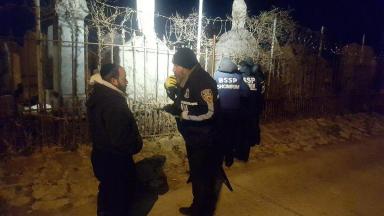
(199, 29)
(146, 16)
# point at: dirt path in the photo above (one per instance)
(345, 179)
(56, 182)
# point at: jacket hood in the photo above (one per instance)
(246, 70)
(227, 65)
(96, 82)
(96, 78)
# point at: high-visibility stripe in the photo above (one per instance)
(206, 116)
(189, 103)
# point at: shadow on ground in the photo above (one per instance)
(152, 182)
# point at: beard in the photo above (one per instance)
(122, 87)
(178, 78)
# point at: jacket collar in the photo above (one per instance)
(186, 77)
(96, 78)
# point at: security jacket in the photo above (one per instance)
(197, 100)
(230, 85)
(255, 79)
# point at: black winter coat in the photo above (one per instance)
(112, 125)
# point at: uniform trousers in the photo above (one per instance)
(204, 158)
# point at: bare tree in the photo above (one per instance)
(107, 20)
(261, 27)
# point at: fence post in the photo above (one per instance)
(57, 82)
(145, 69)
(99, 47)
(321, 40)
(206, 59)
(167, 61)
(272, 51)
(123, 47)
(134, 68)
(362, 49)
(73, 67)
(213, 54)
(40, 81)
(113, 41)
(86, 72)
(157, 69)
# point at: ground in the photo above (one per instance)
(336, 180)
(57, 182)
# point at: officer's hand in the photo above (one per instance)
(172, 109)
(170, 82)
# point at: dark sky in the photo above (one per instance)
(345, 20)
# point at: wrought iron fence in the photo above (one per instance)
(299, 85)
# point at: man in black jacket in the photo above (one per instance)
(196, 107)
(254, 104)
(115, 138)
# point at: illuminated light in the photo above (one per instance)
(199, 29)
(146, 59)
(146, 16)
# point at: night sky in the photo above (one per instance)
(345, 20)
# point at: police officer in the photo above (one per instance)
(196, 107)
(253, 107)
(232, 90)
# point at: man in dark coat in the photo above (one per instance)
(253, 106)
(196, 107)
(115, 138)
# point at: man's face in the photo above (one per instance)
(179, 72)
(121, 83)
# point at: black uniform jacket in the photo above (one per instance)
(198, 99)
(112, 125)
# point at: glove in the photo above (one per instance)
(172, 93)
(171, 87)
(170, 82)
(172, 109)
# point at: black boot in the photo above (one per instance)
(186, 210)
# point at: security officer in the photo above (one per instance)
(232, 90)
(253, 107)
(196, 106)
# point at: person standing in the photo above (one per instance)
(232, 91)
(115, 138)
(196, 108)
(253, 107)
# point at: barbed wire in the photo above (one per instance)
(182, 30)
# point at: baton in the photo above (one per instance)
(225, 179)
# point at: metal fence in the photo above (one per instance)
(298, 86)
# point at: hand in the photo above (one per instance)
(170, 82)
(172, 109)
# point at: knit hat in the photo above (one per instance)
(109, 68)
(185, 58)
(247, 61)
(227, 65)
